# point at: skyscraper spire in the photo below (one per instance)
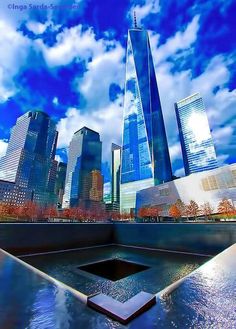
(135, 20)
(145, 159)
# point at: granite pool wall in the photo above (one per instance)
(20, 238)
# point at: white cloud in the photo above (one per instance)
(103, 59)
(72, 43)
(3, 147)
(180, 172)
(104, 69)
(175, 151)
(222, 135)
(58, 158)
(222, 159)
(55, 100)
(180, 41)
(36, 27)
(149, 7)
(39, 28)
(14, 49)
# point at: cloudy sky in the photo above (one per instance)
(71, 64)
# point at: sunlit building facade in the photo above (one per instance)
(84, 156)
(115, 175)
(202, 187)
(29, 161)
(96, 189)
(145, 156)
(195, 136)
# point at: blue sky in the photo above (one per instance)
(71, 64)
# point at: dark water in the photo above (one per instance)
(206, 299)
(163, 269)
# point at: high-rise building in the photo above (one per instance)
(145, 156)
(29, 161)
(60, 182)
(115, 175)
(195, 136)
(84, 156)
(106, 172)
(96, 190)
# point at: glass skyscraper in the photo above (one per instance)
(60, 182)
(145, 156)
(84, 157)
(195, 136)
(29, 160)
(115, 174)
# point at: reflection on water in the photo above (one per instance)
(165, 268)
(43, 309)
(205, 300)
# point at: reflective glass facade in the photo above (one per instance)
(115, 172)
(60, 182)
(145, 154)
(29, 160)
(84, 156)
(195, 136)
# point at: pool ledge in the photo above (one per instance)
(82, 297)
(224, 260)
(122, 312)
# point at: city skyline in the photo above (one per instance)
(64, 51)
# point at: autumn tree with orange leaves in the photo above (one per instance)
(31, 210)
(19, 212)
(206, 210)
(50, 212)
(226, 207)
(192, 209)
(153, 212)
(174, 211)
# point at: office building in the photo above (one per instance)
(96, 190)
(195, 136)
(115, 175)
(12, 194)
(60, 182)
(84, 156)
(29, 161)
(145, 157)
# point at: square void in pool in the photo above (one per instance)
(113, 269)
